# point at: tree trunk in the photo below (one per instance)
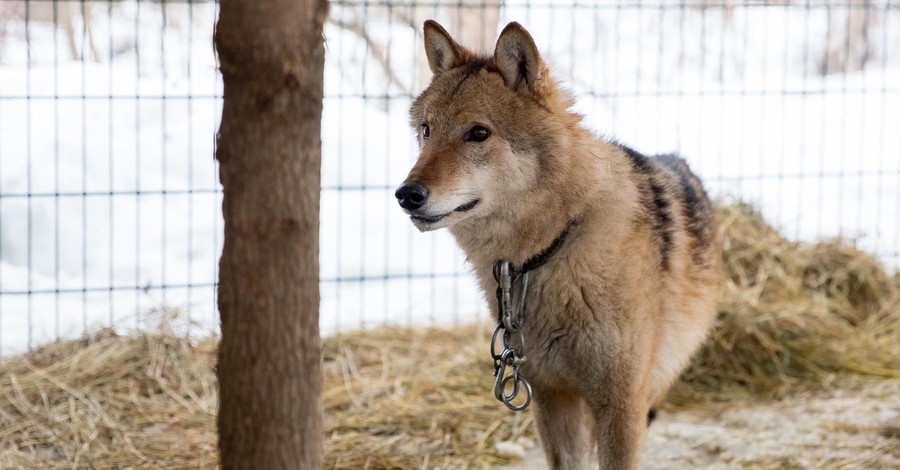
(271, 54)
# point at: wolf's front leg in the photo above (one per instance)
(620, 428)
(561, 425)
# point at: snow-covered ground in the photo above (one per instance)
(123, 188)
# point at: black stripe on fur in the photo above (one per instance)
(655, 201)
(696, 206)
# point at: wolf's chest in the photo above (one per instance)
(561, 329)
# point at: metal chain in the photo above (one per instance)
(510, 325)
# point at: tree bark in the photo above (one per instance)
(271, 54)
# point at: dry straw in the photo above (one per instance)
(792, 317)
(110, 402)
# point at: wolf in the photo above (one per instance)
(622, 249)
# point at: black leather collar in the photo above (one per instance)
(541, 258)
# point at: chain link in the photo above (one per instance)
(510, 324)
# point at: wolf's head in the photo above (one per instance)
(487, 127)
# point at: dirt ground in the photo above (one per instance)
(837, 429)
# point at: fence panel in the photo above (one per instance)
(109, 199)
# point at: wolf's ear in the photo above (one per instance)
(518, 60)
(442, 51)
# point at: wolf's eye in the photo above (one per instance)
(425, 131)
(477, 134)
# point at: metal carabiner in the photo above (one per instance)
(520, 310)
(504, 297)
(507, 358)
(494, 355)
(503, 269)
(499, 373)
(510, 325)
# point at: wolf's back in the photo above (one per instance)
(675, 201)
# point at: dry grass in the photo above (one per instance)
(792, 316)
(110, 402)
(403, 398)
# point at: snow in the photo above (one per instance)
(737, 92)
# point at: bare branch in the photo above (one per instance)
(378, 52)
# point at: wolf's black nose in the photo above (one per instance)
(411, 195)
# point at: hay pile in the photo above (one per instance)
(110, 402)
(792, 316)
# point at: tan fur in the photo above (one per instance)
(617, 311)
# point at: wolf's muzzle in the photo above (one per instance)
(411, 196)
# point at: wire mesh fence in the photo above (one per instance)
(109, 199)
